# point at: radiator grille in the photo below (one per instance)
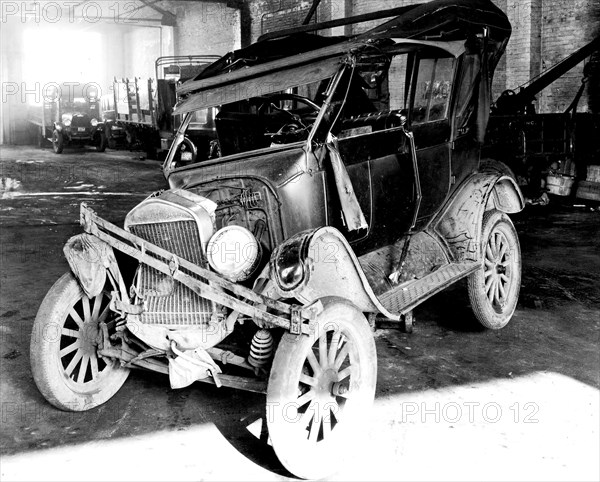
(168, 302)
(179, 237)
(80, 121)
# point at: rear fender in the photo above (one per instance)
(506, 197)
(89, 259)
(320, 263)
(460, 222)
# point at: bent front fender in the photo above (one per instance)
(320, 263)
(89, 258)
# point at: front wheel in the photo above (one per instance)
(494, 287)
(66, 367)
(58, 141)
(321, 388)
(101, 142)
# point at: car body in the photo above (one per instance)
(346, 186)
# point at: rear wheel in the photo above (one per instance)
(57, 141)
(494, 287)
(64, 360)
(321, 388)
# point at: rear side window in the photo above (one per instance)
(433, 89)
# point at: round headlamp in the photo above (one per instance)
(67, 122)
(234, 253)
(94, 122)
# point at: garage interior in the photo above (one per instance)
(453, 401)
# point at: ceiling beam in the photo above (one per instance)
(311, 12)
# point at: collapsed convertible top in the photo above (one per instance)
(441, 24)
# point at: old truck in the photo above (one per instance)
(533, 144)
(68, 115)
(143, 108)
(347, 188)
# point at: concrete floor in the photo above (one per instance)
(453, 402)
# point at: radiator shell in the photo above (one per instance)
(181, 223)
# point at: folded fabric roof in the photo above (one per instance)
(275, 64)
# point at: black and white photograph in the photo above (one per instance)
(279, 240)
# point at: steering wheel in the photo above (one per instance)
(186, 153)
(271, 100)
(297, 127)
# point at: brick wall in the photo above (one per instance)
(272, 15)
(567, 26)
(204, 27)
(523, 15)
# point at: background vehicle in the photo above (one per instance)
(347, 186)
(533, 144)
(115, 134)
(144, 108)
(69, 115)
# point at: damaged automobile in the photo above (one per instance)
(345, 187)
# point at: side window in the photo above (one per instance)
(398, 82)
(433, 89)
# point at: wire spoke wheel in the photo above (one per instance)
(320, 389)
(494, 288)
(64, 343)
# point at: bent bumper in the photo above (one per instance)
(295, 319)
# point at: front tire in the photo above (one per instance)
(102, 142)
(58, 141)
(494, 288)
(64, 361)
(321, 388)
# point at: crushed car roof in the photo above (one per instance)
(442, 24)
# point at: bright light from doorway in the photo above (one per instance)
(54, 55)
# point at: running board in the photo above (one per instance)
(407, 296)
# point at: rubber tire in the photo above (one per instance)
(307, 460)
(48, 372)
(102, 143)
(58, 146)
(484, 311)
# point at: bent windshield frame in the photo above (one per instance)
(238, 123)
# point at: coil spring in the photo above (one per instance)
(261, 349)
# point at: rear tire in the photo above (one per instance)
(321, 389)
(494, 288)
(64, 362)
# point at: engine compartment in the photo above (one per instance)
(247, 203)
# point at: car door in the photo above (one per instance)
(381, 172)
(375, 151)
(429, 119)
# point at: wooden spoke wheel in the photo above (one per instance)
(320, 389)
(64, 359)
(494, 288)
